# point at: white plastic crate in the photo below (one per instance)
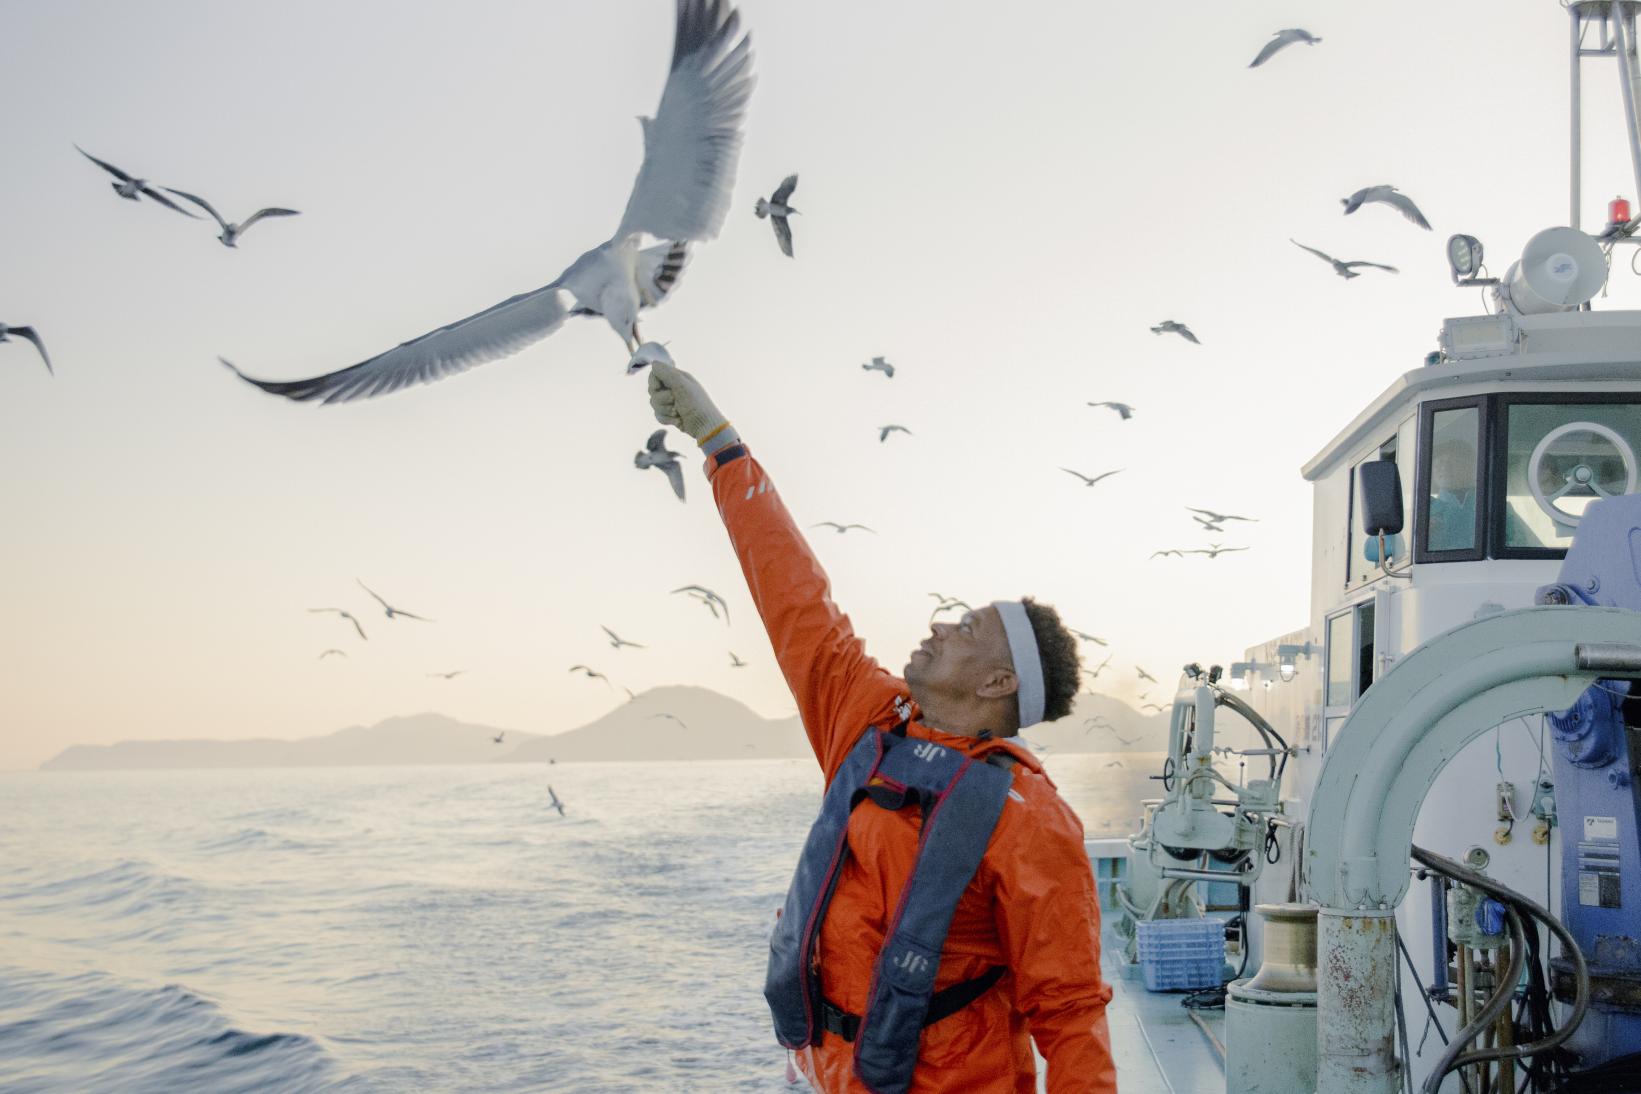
(1182, 954)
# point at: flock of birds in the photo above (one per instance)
(679, 198)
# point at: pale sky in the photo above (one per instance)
(999, 201)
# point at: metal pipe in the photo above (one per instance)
(1575, 179)
(1623, 38)
(1614, 657)
(1355, 996)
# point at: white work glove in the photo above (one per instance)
(679, 400)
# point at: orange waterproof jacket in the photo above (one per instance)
(1031, 906)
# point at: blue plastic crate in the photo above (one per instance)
(1182, 954)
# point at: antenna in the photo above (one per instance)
(1615, 23)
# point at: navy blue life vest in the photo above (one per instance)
(961, 799)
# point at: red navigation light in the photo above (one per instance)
(1618, 211)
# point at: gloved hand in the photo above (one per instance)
(678, 399)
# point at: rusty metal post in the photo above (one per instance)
(1356, 990)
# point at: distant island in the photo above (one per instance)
(664, 723)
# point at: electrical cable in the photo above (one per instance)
(1429, 1006)
(1455, 1057)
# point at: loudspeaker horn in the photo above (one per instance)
(1560, 269)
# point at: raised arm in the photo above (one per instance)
(838, 688)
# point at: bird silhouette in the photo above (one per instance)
(616, 641)
(391, 611)
(28, 334)
(345, 615)
(1123, 409)
(231, 232)
(842, 528)
(1386, 195)
(879, 364)
(1281, 40)
(1168, 326)
(130, 187)
(1091, 481)
(1346, 270)
(777, 210)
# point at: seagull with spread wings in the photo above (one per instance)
(674, 717)
(735, 662)
(1145, 675)
(391, 611)
(706, 596)
(656, 454)
(1094, 673)
(1215, 550)
(345, 615)
(590, 674)
(1346, 270)
(681, 195)
(1090, 481)
(329, 653)
(777, 210)
(1086, 637)
(231, 232)
(842, 528)
(948, 604)
(1281, 40)
(1123, 409)
(1168, 326)
(1169, 553)
(1219, 518)
(129, 187)
(1387, 195)
(879, 364)
(27, 334)
(451, 675)
(616, 641)
(883, 431)
(554, 803)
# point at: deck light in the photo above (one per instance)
(1287, 659)
(1618, 212)
(1240, 671)
(1463, 256)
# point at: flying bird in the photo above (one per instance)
(1388, 195)
(129, 187)
(497, 738)
(1090, 481)
(878, 364)
(777, 210)
(1168, 326)
(1114, 763)
(616, 641)
(29, 334)
(345, 615)
(1281, 40)
(1215, 550)
(590, 674)
(1123, 409)
(948, 606)
(735, 662)
(656, 454)
(1145, 675)
(1209, 525)
(1170, 552)
(1220, 518)
(1086, 637)
(681, 195)
(706, 596)
(554, 803)
(842, 528)
(1094, 673)
(451, 675)
(1346, 270)
(327, 653)
(1158, 707)
(390, 609)
(883, 431)
(674, 717)
(231, 232)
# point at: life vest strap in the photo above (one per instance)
(942, 1004)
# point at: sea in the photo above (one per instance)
(412, 928)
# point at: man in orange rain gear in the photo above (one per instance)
(934, 921)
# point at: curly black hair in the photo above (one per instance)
(1057, 649)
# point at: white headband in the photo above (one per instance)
(1028, 663)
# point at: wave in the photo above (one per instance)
(93, 1031)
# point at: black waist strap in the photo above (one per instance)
(942, 1004)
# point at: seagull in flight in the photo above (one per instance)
(681, 196)
(1281, 40)
(1114, 763)
(1346, 270)
(656, 454)
(777, 210)
(1086, 637)
(1090, 481)
(390, 609)
(674, 717)
(706, 596)
(129, 187)
(1145, 675)
(1220, 518)
(1175, 553)
(554, 803)
(1094, 673)
(1168, 326)
(28, 334)
(1158, 707)
(1215, 550)
(231, 232)
(948, 604)
(1209, 525)
(883, 431)
(345, 615)
(327, 653)
(448, 675)
(616, 641)
(842, 528)
(1123, 409)
(1388, 195)
(879, 364)
(735, 662)
(497, 738)
(590, 674)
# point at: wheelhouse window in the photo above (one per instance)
(1558, 458)
(1451, 506)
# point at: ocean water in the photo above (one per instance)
(427, 928)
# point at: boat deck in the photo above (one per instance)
(1159, 1049)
